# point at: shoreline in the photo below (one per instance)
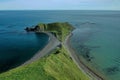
(79, 63)
(53, 42)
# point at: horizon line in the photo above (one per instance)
(56, 10)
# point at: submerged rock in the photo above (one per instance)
(85, 51)
(112, 70)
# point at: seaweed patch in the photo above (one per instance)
(112, 70)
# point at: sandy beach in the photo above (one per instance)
(80, 64)
(52, 44)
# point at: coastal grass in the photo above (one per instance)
(59, 29)
(62, 67)
(56, 66)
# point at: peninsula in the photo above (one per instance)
(56, 61)
(59, 30)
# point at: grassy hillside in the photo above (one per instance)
(60, 30)
(56, 66)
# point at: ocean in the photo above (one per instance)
(95, 38)
(17, 45)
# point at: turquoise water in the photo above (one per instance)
(95, 39)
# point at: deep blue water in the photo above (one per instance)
(16, 45)
(95, 39)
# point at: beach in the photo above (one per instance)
(79, 63)
(52, 44)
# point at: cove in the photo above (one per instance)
(16, 48)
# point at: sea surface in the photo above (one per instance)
(17, 45)
(95, 39)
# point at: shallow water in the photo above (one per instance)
(98, 43)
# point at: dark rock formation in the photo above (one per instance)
(29, 29)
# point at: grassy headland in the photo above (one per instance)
(56, 66)
(60, 30)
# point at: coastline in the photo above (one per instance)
(79, 63)
(53, 42)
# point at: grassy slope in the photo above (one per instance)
(52, 67)
(62, 67)
(60, 29)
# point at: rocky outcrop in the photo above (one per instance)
(29, 29)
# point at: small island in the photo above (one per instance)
(56, 61)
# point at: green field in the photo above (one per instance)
(56, 66)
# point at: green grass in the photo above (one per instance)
(56, 66)
(61, 30)
(62, 67)
(53, 67)
(33, 71)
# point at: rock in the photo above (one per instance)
(29, 29)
